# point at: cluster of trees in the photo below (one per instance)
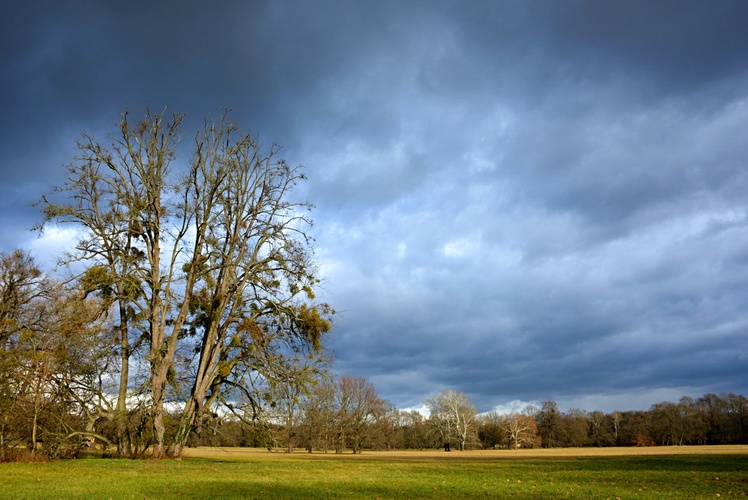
(51, 357)
(189, 288)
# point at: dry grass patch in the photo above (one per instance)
(539, 453)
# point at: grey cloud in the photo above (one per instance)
(523, 201)
(682, 45)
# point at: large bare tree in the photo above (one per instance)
(203, 263)
(454, 415)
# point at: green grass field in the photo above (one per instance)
(684, 473)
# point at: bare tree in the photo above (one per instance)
(319, 415)
(455, 416)
(293, 378)
(522, 431)
(358, 406)
(93, 201)
(207, 262)
(598, 431)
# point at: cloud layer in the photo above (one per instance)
(520, 200)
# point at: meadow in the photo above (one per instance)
(677, 472)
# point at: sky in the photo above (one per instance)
(521, 200)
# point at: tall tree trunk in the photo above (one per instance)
(158, 380)
(41, 375)
(124, 447)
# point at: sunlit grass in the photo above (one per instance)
(241, 473)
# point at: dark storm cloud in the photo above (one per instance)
(681, 45)
(521, 200)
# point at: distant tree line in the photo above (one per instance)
(454, 423)
(710, 419)
(346, 415)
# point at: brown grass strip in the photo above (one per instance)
(258, 453)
